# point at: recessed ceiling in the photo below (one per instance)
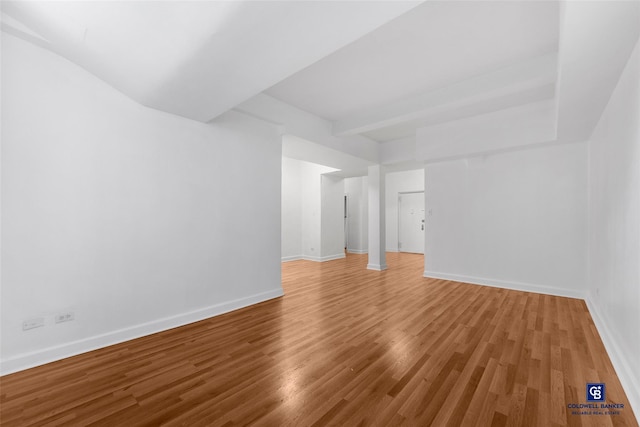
(435, 45)
(408, 128)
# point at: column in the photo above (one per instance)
(377, 231)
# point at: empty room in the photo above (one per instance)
(308, 213)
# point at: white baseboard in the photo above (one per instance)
(51, 354)
(377, 267)
(621, 364)
(340, 255)
(324, 258)
(357, 251)
(312, 258)
(517, 286)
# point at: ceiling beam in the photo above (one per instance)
(307, 126)
(478, 93)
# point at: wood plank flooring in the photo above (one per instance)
(344, 346)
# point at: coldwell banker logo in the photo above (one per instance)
(596, 403)
(596, 392)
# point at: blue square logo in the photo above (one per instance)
(596, 392)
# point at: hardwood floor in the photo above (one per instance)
(344, 346)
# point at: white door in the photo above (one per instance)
(411, 222)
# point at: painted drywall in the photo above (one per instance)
(310, 127)
(596, 39)
(515, 220)
(310, 178)
(310, 210)
(298, 148)
(376, 250)
(302, 210)
(133, 219)
(518, 126)
(200, 59)
(291, 210)
(332, 217)
(396, 183)
(356, 190)
(398, 151)
(614, 227)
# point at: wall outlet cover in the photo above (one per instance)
(36, 322)
(64, 317)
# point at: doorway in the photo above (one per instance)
(411, 222)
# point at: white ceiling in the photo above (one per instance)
(197, 59)
(342, 164)
(350, 74)
(436, 45)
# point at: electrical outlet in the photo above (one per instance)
(64, 317)
(36, 322)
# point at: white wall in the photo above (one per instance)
(303, 207)
(310, 179)
(399, 182)
(614, 228)
(357, 190)
(332, 217)
(135, 220)
(291, 210)
(515, 220)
